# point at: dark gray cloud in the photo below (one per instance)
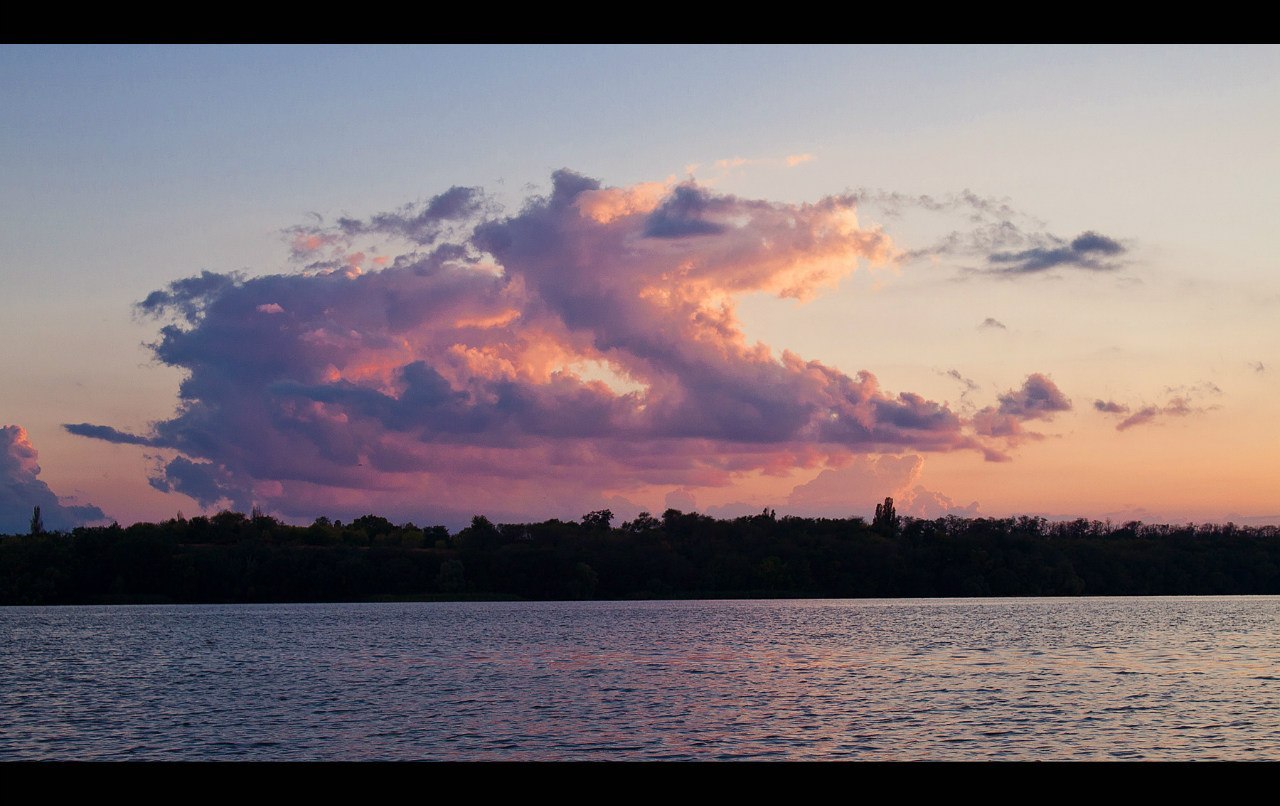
(21, 490)
(107, 434)
(1090, 251)
(188, 296)
(208, 484)
(992, 323)
(1257, 366)
(684, 213)
(422, 223)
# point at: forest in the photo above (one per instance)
(233, 557)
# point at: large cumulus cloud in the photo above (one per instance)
(586, 345)
(21, 489)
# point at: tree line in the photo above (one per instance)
(232, 557)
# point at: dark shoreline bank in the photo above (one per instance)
(231, 558)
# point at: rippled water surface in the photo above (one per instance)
(1132, 678)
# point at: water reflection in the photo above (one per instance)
(1152, 678)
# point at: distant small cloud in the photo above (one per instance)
(1181, 405)
(1038, 399)
(793, 160)
(992, 323)
(1110, 407)
(1258, 367)
(1144, 415)
(1195, 390)
(270, 307)
(969, 384)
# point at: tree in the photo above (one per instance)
(452, 577)
(886, 520)
(37, 523)
(599, 519)
(644, 522)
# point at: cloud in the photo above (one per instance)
(992, 323)
(1182, 403)
(1202, 389)
(687, 211)
(1143, 415)
(1089, 250)
(1038, 399)
(682, 500)
(854, 490)
(107, 434)
(1110, 407)
(421, 224)
(1009, 242)
(1176, 407)
(1257, 366)
(21, 490)
(968, 383)
(583, 347)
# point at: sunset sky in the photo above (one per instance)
(532, 282)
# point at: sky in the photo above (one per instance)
(535, 281)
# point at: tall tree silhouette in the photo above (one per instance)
(37, 523)
(886, 520)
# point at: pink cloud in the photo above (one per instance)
(1039, 398)
(21, 489)
(448, 380)
(856, 489)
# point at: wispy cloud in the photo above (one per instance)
(1177, 407)
(1183, 401)
(969, 384)
(1009, 242)
(992, 323)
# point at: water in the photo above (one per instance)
(962, 679)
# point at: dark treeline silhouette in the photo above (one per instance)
(230, 557)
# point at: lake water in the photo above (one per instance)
(958, 679)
